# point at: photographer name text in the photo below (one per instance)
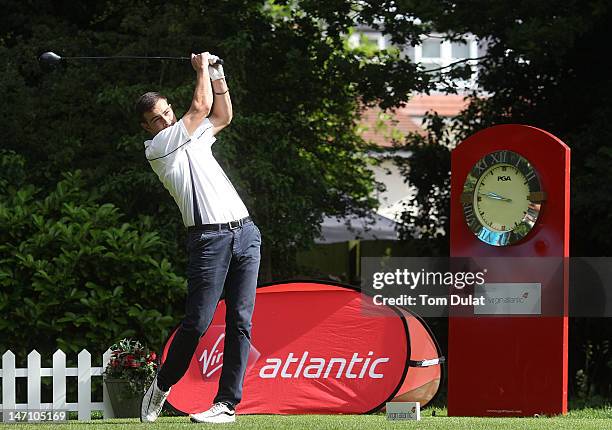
(427, 300)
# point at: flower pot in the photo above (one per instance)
(125, 403)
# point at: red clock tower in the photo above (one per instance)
(513, 365)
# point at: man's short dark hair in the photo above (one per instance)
(146, 103)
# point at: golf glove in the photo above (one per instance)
(215, 71)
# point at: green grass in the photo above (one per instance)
(595, 419)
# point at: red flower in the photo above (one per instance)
(130, 362)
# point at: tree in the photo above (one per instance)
(292, 151)
(75, 273)
(426, 219)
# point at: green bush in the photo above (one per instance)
(73, 275)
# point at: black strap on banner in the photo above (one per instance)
(427, 363)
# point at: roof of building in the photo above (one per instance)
(381, 127)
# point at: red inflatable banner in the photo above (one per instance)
(314, 349)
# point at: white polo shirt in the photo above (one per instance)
(187, 168)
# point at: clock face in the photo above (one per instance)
(502, 198)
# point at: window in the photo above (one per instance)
(460, 50)
(431, 48)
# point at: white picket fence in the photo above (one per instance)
(58, 372)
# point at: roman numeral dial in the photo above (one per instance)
(502, 198)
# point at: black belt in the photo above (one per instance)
(232, 225)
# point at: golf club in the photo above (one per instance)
(51, 58)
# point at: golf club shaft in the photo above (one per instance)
(126, 57)
(132, 57)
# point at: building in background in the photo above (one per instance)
(385, 128)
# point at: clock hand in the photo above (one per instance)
(494, 196)
(497, 196)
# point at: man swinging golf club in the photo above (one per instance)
(222, 244)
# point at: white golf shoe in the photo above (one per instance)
(218, 413)
(152, 403)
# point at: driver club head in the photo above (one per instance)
(49, 58)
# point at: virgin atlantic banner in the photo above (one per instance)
(314, 350)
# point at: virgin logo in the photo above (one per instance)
(212, 360)
(210, 355)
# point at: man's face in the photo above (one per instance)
(160, 117)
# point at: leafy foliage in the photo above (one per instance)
(75, 274)
(426, 216)
(292, 151)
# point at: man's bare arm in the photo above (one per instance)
(202, 95)
(221, 114)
